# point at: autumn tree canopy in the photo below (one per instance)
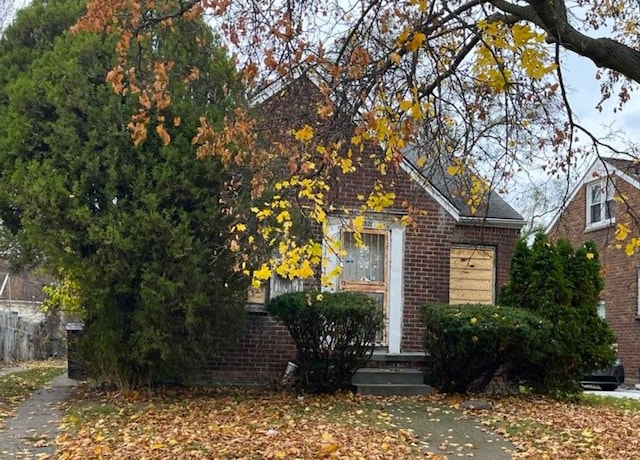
(480, 82)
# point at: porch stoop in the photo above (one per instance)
(396, 381)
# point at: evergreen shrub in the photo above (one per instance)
(334, 334)
(469, 345)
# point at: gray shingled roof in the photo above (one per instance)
(455, 188)
(629, 167)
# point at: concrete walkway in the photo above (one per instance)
(31, 432)
(447, 432)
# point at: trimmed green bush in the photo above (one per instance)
(334, 334)
(468, 345)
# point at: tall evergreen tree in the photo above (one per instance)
(562, 286)
(139, 228)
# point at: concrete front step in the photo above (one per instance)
(390, 381)
(393, 389)
(387, 376)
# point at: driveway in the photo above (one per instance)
(619, 393)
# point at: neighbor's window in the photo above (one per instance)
(602, 311)
(600, 203)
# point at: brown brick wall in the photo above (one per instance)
(258, 356)
(619, 270)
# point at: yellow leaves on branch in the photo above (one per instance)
(417, 39)
(473, 188)
(379, 199)
(506, 47)
(622, 232)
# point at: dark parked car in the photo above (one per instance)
(607, 379)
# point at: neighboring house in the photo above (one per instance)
(449, 255)
(23, 288)
(603, 197)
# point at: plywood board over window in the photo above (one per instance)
(472, 275)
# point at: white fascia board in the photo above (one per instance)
(432, 191)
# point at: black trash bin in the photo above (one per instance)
(76, 368)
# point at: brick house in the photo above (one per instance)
(591, 213)
(449, 255)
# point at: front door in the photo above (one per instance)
(365, 268)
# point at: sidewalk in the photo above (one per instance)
(31, 432)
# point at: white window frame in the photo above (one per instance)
(605, 203)
(638, 294)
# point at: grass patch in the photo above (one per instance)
(18, 386)
(624, 404)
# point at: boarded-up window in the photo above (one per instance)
(472, 275)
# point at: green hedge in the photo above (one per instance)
(468, 345)
(334, 334)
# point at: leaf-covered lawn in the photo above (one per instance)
(226, 424)
(230, 425)
(591, 428)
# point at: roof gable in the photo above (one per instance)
(601, 168)
(448, 191)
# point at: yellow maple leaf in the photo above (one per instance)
(405, 105)
(358, 223)
(622, 231)
(522, 33)
(263, 273)
(416, 42)
(304, 134)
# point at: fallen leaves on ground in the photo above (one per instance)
(234, 424)
(239, 425)
(543, 428)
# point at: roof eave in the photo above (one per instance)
(493, 222)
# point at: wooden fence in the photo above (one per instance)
(28, 336)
